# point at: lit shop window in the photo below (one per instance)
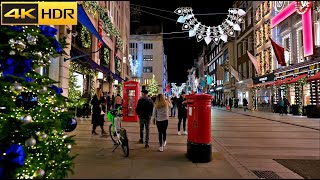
(148, 57)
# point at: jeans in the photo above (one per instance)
(162, 130)
(144, 123)
(173, 111)
(184, 123)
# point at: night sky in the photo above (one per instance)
(180, 52)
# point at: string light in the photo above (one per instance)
(210, 33)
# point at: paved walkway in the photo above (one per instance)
(96, 159)
(251, 141)
(303, 121)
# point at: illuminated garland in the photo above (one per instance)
(85, 37)
(118, 65)
(106, 56)
(76, 67)
(93, 7)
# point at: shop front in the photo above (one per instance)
(299, 85)
(244, 91)
(262, 93)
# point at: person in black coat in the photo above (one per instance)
(144, 110)
(230, 103)
(97, 112)
(182, 112)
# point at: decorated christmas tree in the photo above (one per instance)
(152, 87)
(33, 114)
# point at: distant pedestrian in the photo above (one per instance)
(97, 112)
(285, 105)
(174, 105)
(160, 117)
(108, 101)
(230, 103)
(117, 101)
(182, 112)
(280, 106)
(144, 110)
(245, 104)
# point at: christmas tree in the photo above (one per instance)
(152, 87)
(33, 115)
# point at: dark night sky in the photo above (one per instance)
(180, 51)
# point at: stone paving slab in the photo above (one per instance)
(97, 161)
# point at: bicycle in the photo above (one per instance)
(117, 133)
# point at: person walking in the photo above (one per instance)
(160, 117)
(281, 106)
(108, 101)
(230, 103)
(112, 101)
(174, 105)
(285, 104)
(144, 111)
(117, 101)
(245, 104)
(182, 112)
(97, 112)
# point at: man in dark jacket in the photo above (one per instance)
(286, 104)
(144, 111)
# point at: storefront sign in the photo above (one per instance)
(263, 79)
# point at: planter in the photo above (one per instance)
(295, 109)
(313, 111)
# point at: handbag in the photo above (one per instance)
(228, 107)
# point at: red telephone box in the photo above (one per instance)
(131, 95)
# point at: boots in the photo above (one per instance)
(94, 132)
(103, 132)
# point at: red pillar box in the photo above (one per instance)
(190, 118)
(199, 147)
(131, 94)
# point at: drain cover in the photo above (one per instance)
(267, 175)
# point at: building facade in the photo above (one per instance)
(148, 52)
(95, 57)
(244, 41)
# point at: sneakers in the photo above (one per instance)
(179, 133)
(161, 148)
(185, 133)
(165, 143)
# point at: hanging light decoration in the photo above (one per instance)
(208, 33)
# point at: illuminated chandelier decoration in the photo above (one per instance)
(133, 66)
(177, 89)
(208, 33)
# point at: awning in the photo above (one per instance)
(86, 60)
(314, 77)
(283, 81)
(117, 77)
(297, 78)
(85, 21)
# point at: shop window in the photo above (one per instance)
(239, 50)
(147, 81)
(306, 95)
(300, 45)
(286, 45)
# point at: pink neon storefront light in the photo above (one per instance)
(306, 25)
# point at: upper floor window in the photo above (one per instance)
(147, 69)
(239, 50)
(148, 46)
(148, 57)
